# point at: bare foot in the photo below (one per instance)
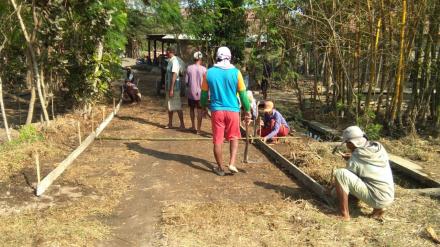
(339, 216)
(377, 213)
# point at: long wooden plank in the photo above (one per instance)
(428, 191)
(412, 170)
(322, 129)
(54, 174)
(405, 166)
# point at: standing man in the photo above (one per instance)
(224, 81)
(172, 88)
(274, 123)
(367, 176)
(194, 78)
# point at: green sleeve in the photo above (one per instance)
(244, 100)
(204, 99)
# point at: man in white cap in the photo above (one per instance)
(367, 176)
(194, 77)
(224, 81)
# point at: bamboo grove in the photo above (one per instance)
(376, 59)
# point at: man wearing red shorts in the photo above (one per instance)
(224, 81)
(274, 123)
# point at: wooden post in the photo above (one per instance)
(79, 132)
(91, 117)
(53, 112)
(114, 106)
(103, 113)
(259, 120)
(37, 163)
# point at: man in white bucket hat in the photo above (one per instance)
(367, 175)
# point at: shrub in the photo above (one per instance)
(29, 134)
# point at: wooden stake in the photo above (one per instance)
(91, 113)
(259, 120)
(37, 162)
(114, 106)
(79, 132)
(53, 112)
(103, 113)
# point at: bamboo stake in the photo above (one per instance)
(103, 113)
(79, 132)
(37, 163)
(53, 112)
(91, 116)
(259, 120)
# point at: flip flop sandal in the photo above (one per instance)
(218, 171)
(232, 168)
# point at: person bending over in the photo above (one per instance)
(273, 124)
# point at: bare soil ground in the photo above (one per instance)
(144, 193)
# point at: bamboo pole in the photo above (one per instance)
(103, 113)
(53, 111)
(2, 106)
(91, 117)
(398, 88)
(37, 163)
(79, 132)
(114, 105)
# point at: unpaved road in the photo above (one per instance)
(168, 172)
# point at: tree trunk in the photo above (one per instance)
(399, 86)
(2, 106)
(33, 60)
(30, 114)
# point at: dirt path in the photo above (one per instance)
(179, 171)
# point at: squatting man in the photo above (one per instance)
(367, 175)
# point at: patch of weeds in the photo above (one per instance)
(366, 122)
(16, 153)
(29, 134)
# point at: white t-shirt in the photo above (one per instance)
(173, 67)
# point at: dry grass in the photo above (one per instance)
(314, 158)
(62, 220)
(425, 152)
(75, 222)
(297, 223)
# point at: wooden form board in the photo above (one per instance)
(323, 129)
(413, 170)
(54, 174)
(405, 166)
